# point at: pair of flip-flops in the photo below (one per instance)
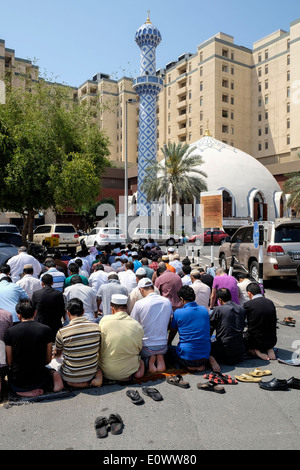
(148, 391)
(211, 387)
(218, 378)
(254, 376)
(114, 423)
(288, 321)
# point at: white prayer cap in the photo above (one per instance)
(140, 272)
(145, 282)
(119, 299)
(171, 250)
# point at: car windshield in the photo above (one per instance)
(8, 229)
(64, 229)
(287, 234)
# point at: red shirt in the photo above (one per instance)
(168, 284)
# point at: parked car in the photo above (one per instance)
(142, 235)
(281, 250)
(10, 242)
(7, 251)
(9, 228)
(219, 237)
(101, 236)
(64, 234)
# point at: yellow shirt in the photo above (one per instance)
(121, 343)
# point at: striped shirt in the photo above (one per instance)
(80, 342)
(58, 279)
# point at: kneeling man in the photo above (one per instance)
(121, 343)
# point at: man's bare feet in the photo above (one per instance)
(98, 379)
(58, 384)
(271, 354)
(198, 369)
(214, 365)
(160, 363)
(152, 368)
(32, 393)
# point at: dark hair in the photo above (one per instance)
(187, 293)
(242, 276)
(6, 278)
(224, 294)
(75, 307)
(130, 265)
(50, 263)
(47, 279)
(254, 288)
(99, 267)
(28, 270)
(74, 268)
(25, 308)
(5, 269)
(186, 269)
(186, 262)
(76, 279)
(78, 262)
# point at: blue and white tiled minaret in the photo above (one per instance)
(147, 85)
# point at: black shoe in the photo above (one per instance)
(275, 384)
(293, 383)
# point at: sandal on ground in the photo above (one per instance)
(152, 393)
(177, 380)
(218, 378)
(286, 323)
(116, 423)
(289, 319)
(260, 373)
(101, 426)
(211, 387)
(135, 397)
(247, 378)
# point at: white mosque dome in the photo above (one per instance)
(250, 187)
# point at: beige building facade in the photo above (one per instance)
(248, 98)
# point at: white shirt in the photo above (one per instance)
(128, 279)
(88, 297)
(202, 292)
(153, 313)
(18, 262)
(136, 295)
(96, 279)
(29, 284)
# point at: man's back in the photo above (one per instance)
(10, 294)
(50, 307)
(202, 292)
(261, 320)
(229, 320)
(168, 284)
(121, 343)
(87, 295)
(227, 282)
(18, 262)
(106, 291)
(128, 279)
(29, 341)
(153, 312)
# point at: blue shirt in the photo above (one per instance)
(10, 295)
(58, 279)
(192, 323)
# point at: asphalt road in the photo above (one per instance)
(184, 423)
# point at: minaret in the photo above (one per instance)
(147, 85)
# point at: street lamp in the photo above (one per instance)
(130, 101)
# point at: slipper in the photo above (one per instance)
(101, 426)
(152, 393)
(289, 319)
(218, 378)
(259, 373)
(135, 397)
(211, 387)
(116, 423)
(177, 380)
(286, 323)
(247, 378)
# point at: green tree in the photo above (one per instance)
(177, 178)
(52, 153)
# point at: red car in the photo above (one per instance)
(205, 238)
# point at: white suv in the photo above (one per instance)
(142, 235)
(66, 235)
(101, 236)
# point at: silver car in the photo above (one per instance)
(281, 250)
(101, 236)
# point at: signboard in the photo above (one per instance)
(212, 209)
(256, 235)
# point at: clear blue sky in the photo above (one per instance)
(73, 40)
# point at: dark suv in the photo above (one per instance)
(281, 249)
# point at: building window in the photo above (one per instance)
(288, 123)
(259, 117)
(201, 71)
(266, 145)
(267, 115)
(232, 100)
(288, 108)
(288, 60)
(201, 130)
(225, 129)
(225, 52)
(190, 95)
(225, 83)
(288, 92)
(201, 56)
(225, 68)
(259, 72)
(224, 113)
(201, 86)
(259, 102)
(232, 115)
(259, 87)
(259, 57)
(288, 75)
(259, 131)
(266, 130)
(266, 99)
(201, 116)
(259, 146)
(225, 98)
(266, 84)
(232, 70)
(288, 140)
(266, 54)
(266, 69)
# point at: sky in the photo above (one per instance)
(71, 40)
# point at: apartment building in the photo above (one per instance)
(248, 98)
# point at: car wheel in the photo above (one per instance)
(254, 270)
(170, 242)
(223, 262)
(222, 241)
(142, 242)
(198, 242)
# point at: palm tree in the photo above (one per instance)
(292, 187)
(177, 178)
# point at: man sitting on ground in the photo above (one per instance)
(192, 323)
(228, 320)
(121, 343)
(261, 336)
(153, 312)
(78, 344)
(28, 351)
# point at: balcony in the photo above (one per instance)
(181, 119)
(182, 104)
(181, 91)
(181, 132)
